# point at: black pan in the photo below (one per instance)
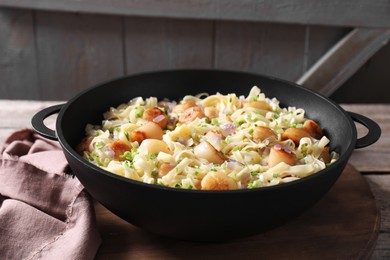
(202, 215)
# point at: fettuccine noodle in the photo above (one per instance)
(209, 142)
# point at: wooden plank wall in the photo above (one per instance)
(53, 55)
(352, 13)
(18, 61)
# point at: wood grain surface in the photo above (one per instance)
(156, 44)
(343, 225)
(260, 48)
(366, 13)
(51, 55)
(77, 51)
(342, 60)
(18, 62)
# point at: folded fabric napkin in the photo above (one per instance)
(44, 212)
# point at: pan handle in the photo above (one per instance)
(374, 131)
(40, 127)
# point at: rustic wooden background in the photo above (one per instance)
(52, 55)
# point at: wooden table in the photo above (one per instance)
(373, 161)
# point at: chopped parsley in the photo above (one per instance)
(128, 164)
(129, 155)
(100, 145)
(235, 149)
(139, 112)
(239, 123)
(254, 173)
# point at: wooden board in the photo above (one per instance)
(344, 59)
(272, 49)
(18, 62)
(374, 79)
(343, 225)
(366, 13)
(60, 53)
(319, 39)
(77, 51)
(157, 44)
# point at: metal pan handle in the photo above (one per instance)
(40, 127)
(374, 131)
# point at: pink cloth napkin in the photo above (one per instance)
(44, 213)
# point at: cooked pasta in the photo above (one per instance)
(208, 142)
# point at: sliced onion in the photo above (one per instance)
(278, 147)
(108, 152)
(182, 140)
(225, 110)
(158, 118)
(190, 142)
(287, 147)
(228, 128)
(231, 166)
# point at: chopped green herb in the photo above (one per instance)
(254, 173)
(190, 187)
(129, 155)
(239, 123)
(100, 145)
(103, 162)
(139, 112)
(214, 121)
(235, 149)
(154, 173)
(129, 164)
(127, 136)
(275, 175)
(250, 185)
(178, 185)
(164, 110)
(152, 156)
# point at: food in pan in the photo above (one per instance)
(208, 142)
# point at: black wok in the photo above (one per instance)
(202, 215)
